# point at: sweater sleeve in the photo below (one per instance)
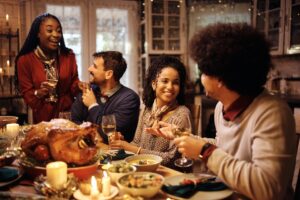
(26, 82)
(267, 175)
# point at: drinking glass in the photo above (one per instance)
(108, 125)
(182, 162)
(51, 85)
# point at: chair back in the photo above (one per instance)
(196, 117)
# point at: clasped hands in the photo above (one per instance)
(187, 145)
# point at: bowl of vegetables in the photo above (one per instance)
(145, 184)
(144, 162)
(116, 170)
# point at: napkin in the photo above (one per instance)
(121, 154)
(188, 190)
(8, 174)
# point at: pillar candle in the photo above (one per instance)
(12, 130)
(56, 174)
(105, 184)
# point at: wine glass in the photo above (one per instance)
(182, 162)
(51, 85)
(108, 125)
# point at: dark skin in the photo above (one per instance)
(49, 36)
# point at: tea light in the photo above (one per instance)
(105, 184)
(12, 130)
(56, 174)
(94, 189)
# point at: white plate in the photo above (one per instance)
(113, 192)
(203, 195)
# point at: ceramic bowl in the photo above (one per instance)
(116, 170)
(146, 184)
(144, 162)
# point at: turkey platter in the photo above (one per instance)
(62, 140)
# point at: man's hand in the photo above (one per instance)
(83, 86)
(88, 97)
(189, 146)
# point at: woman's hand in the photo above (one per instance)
(189, 146)
(119, 144)
(164, 131)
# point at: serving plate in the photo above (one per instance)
(203, 195)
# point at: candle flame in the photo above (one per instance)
(1, 70)
(7, 17)
(7, 63)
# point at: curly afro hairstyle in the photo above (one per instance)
(155, 68)
(235, 53)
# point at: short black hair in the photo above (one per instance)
(155, 68)
(235, 53)
(113, 60)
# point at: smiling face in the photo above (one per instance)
(49, 35)
(166, 86)
(98, 75)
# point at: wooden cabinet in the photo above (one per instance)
(280, 21)
(162, 31)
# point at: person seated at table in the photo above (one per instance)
(163, 97)
(108, 96)
(255, 145)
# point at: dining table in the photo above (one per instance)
(24, 185)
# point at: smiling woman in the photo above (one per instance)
(43, 58)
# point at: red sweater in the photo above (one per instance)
(31, 74)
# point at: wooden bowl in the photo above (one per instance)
(82, 172)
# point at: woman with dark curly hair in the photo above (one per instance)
(255, 145)
(44, 57)
(164, 101)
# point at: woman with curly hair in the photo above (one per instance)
(164, 101)
(45, 56)
(255, 145)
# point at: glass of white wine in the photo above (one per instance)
(182, 162)
(108, 125)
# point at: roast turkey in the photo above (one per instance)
(61, 140)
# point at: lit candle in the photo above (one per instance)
(1, 75)
(7, 18)
(105, 184)
(56, 174)
(8, 65)
(12, 130)
(94, 189)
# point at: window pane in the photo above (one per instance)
(70, 18)
(112, 32)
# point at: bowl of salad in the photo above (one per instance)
(116, 170)
(144, 184)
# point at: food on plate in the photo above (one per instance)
(121, 168)
(141, 180)
(63, 140)
(143, 162)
